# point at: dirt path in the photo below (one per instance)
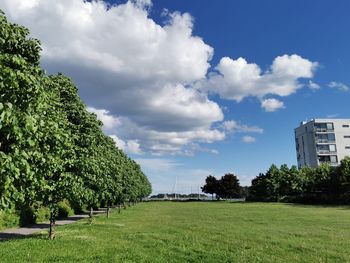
(32, 229)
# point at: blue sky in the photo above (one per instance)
(166, 79)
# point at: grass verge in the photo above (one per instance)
(196, 232)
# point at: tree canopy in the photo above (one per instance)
(226, 187)
(51, 147)
(324, 184)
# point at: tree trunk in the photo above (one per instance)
(119, 205)
(91, 212)
(52, 226)
(107, 211)
(124, 205)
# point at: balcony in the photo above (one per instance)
(328, 159)
(324, 140)
(326, 152)
(323, 130)
(324, 127)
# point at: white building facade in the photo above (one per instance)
(322, 141)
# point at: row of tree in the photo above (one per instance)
(324, 184)
(51, 147)
(226, 187)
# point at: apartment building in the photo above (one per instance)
(322, 141)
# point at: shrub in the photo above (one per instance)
(41, 214)
(8, 219)
(77, 207)
(64, 209)
(26, 215)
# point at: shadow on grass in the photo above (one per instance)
(32, 230)
(7, 236)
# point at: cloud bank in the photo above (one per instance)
(150, 84)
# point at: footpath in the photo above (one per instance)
(35, 228)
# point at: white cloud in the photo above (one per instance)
(339, 86)
(313, 86)
(118, 38)
(248, 139)
(143, 3)
(109, 121)
(234, 126)
(271, 105)
(155, 141)
(141, 77)
(129, 69)
(237, 79)
(130, 146)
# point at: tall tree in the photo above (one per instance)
(229, 186)
(211, 186)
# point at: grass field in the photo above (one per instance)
(196, 232)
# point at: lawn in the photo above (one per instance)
(196, 232)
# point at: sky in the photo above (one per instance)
(192, 88)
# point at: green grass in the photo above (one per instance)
(196, 232)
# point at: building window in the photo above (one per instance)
(324, 138)
(302, 140)
(327, 148)
(328, 159)
(334, 159)
(345, 126)
(330, 126)
(297, 144)
(347, 136)
(347, 147)
(324, 127)
(324, 159)
(331, 137)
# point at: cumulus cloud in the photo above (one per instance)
(143, 3)
(271, 105)
(118, 38)
(339, 86)
(130, 146)
(148, 82)
(157, 142)
(109, 122)
(248, 139)
(237, 79)
(135, 74)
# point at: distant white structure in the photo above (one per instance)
(322, 141)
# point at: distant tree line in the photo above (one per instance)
(226, 187)
(173, 196)
(322, 185)
(51, 148)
